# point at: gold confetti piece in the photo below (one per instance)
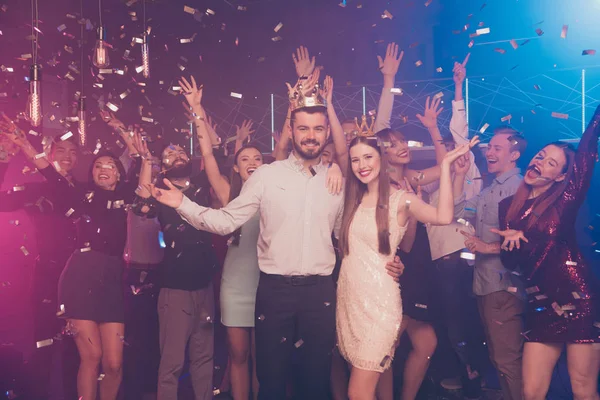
(139, 69)
(85, 249)
(419, 63)
(514, 44)
(62, 27)
(539, 32)
(101, 376)
(471, 43)
(278, 27)
(482, 31)
(183, 41)
(61, 311)
(419, 305)
(38, 156)
(467, 256)
(397, 91)
(499, 50)
(560, 116)
(387, 14)
(571, 263)
(512, 289)
(112, 107)
(484, 127)
(216, 392)
(463, 221)
(565, 30)
(276, 38)
(25, 56)
(33, 133)
(438, 95)
(533, 289)
(189, 10)
(210, 12)
(124, 94)
(568, 307)
(105, 71)
(24, 250)
(506, 118)
(588, 52)
(236, 95)
(413, 143)
(56, 166)
(44, 343)
(428, 2)
(66, 136)
(241, 8)
(343, 5)
(576, 295)
(537, 87)
(557, 309)
(147, 119)
(299, 343)
(98, 85)
(439, 69)
(69, 212)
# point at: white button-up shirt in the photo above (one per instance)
(297, 217)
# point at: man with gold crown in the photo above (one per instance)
(295, 304)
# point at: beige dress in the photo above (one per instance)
(369, 307)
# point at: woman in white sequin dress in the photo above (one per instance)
(369, 308)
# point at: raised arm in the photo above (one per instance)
(242, 134)
(444, 212)
(389, 68)
(193, 95)
(459, 127)
(12, 132)
(222, 221)
(585, 160)
(120, 128)
(429, 121)
(337, 133)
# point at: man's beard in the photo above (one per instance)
(179, 171)
(305, 155)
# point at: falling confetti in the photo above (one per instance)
(560, 115)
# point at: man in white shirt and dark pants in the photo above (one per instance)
(295, 305)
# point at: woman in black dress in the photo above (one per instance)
(90, 297)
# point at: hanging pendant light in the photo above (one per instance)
(34, 101)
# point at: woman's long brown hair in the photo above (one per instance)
(542, 203)
(235, 187)
(354, 192)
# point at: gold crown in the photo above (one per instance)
(363, 129)
(300, 99)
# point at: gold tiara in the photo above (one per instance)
(363, 129)
(299, 99)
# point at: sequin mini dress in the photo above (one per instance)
(369, 306)
(562, 291)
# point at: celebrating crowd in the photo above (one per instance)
(318, 283)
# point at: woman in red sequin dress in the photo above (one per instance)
(538, 225)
